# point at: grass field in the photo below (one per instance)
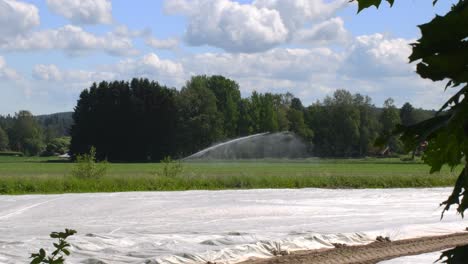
(22, 175)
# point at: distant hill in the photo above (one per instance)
(57, 124)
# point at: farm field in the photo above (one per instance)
(193, 227)
(22, 175)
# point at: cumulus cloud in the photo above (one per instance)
(52, 73)
(279, 63)
(150, 66)
(17, 17)
(230, 25)
(249, 28)
(295, 13)
(67, 82)
(170, 43)
(47, 72)
(83, 11)
(375, 56)
(376, 65)
(125, 32)
(308, 73)
(73, 40)
(7, 73)
(327, 32)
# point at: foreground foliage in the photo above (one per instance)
(61, 249)
(457, 255)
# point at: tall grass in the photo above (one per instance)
(26, 176)
(67, 184)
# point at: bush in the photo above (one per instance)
(61, 249)
(33, 146)
(57, 146)
(87, 168)
(170, 167)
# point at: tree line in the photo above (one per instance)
(142, 120)
(31, 135)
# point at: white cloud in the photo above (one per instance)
(125, 32)
(295, 13)
(83, 11)
(73, 40)
(250, 28)
(17, 17)
(7, 73)
(287, 64)
(47, 72)
(327, 32)
(376, 56)
(150, 66)
(170, 43)
(304, 72)
(308, 73)
(230, 25)
(375, 65)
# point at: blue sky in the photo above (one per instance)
(50, 50)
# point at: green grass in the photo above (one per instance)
(22, 175)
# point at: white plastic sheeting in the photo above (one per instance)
(217, 226)
(419, 259)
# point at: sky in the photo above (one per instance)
(50, 50)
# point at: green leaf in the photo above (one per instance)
(36, 260)
(442, 48)
(455, 99)
(363, 4)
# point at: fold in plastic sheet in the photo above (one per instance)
(216, 226)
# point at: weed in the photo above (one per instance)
(170, 167)
(87, 168)
(61, 249)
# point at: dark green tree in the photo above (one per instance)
(368, 124)
(4, 142)
(407, 114)
(268, 113)
(200, 123)
(264, 112)
(133, 121)
(389, 119)
(25, 134)
(336, 125)
(282, 103)
(245, 122)
(346, 119)
(295, 115)
(228, 98)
